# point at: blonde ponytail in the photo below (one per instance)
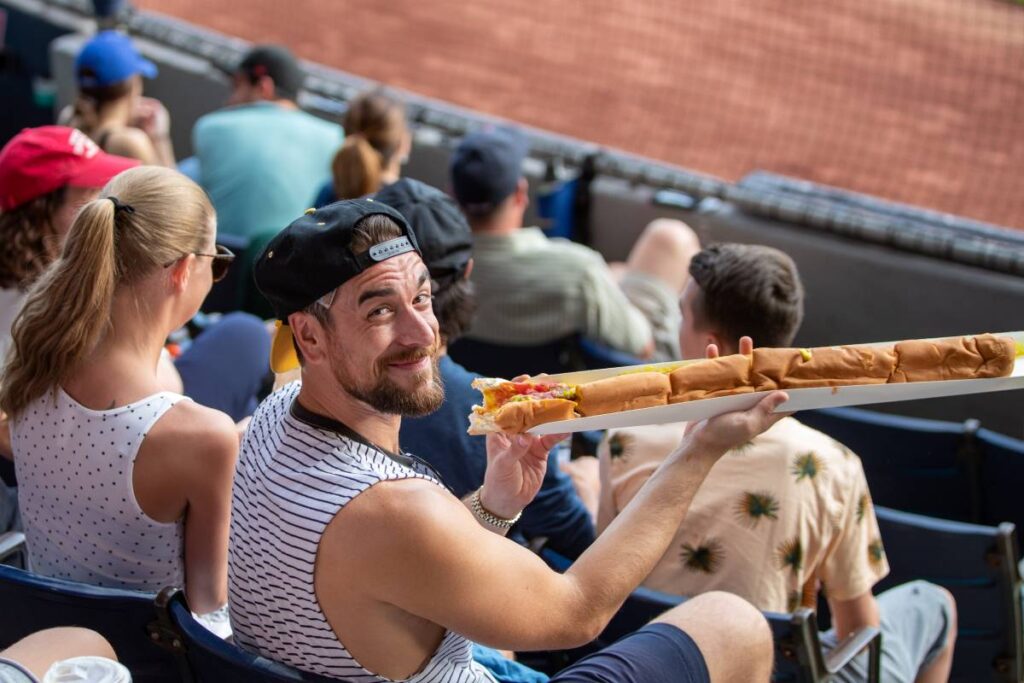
(357, 168)
(68, 309)
(374, 131)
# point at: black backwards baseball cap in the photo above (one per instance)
(443, 235)
(486, 167)
(312, 257)
(277, 62)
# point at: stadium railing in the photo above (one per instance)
(978, 565)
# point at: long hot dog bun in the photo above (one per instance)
(982, 356)
(625, 392)
(520, 416)
(711, 377)
(830, 366)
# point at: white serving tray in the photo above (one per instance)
(799, 399)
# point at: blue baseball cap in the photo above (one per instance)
(108, 58)
(486, 168)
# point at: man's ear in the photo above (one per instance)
(523, 193)
(267, 88)
(469, 269)
(309, 336)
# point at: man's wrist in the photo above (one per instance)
(496, 516)
(695, 453)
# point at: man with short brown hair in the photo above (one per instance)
(788, 511)
(349, 557)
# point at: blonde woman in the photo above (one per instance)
(122, 484)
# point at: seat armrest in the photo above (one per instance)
(868, 637)
(11, 543)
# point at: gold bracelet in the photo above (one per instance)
(484, 515)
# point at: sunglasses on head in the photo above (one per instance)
(220, 262)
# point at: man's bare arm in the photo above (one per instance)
(422, 551)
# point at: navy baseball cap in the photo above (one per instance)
(277, 62)
(313, 257)
(108, 58)
(441, 230)
(486, 168)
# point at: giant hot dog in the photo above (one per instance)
(519, 406)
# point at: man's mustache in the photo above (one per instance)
(409, 356)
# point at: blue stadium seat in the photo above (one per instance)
(923, 466)
(556, 203)
(594, 355)
(211, 659)
(798, 654)
(1002, 480)
(32, 603)
(567, 354)
(496, 360)
(977, 564)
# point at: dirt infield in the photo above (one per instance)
(920, 101)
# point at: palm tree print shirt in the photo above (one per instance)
(775, 518)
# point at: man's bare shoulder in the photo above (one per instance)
(402, 503)
(394, 519)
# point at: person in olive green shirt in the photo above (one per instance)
(533, 290)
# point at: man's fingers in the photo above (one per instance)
(746, 346)
(712, 351)
(551, 440)
(772, 401)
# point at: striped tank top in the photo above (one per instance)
(296, 471)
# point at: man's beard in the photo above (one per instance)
(388, 397)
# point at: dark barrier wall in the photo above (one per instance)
(857, 290)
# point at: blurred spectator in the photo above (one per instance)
(348, 556)
(534, 290)
(62, 655)
(790, 510)
(446, 242)
(121, 483)
(46, 175)
(110, 108)
(377, 143)
(261, 159)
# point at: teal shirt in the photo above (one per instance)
(262, 164)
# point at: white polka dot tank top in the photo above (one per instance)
(296, 471)
(82, 522)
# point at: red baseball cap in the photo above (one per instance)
(38, 161)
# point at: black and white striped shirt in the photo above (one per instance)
(293, 477)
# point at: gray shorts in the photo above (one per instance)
(660, 306)
(916, 619)
(12, 672)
